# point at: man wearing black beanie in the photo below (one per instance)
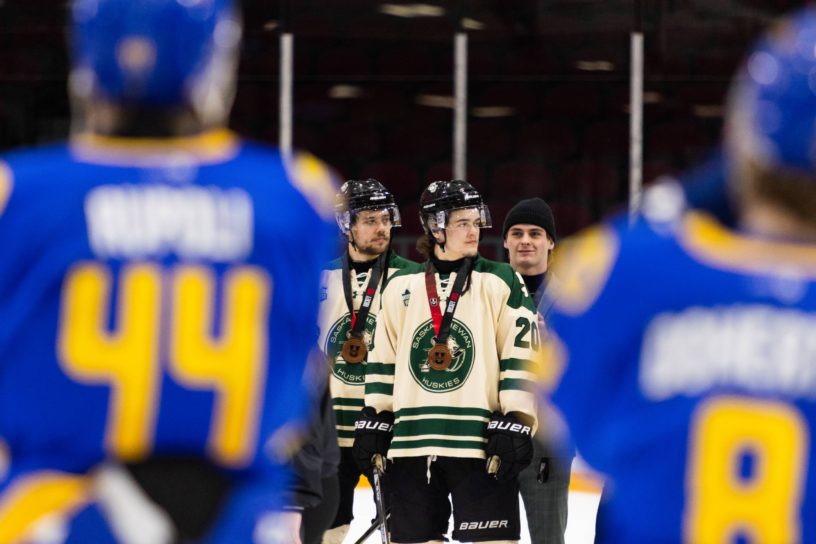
(529, 237)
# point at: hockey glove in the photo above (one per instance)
(372, 435)
(511, 442)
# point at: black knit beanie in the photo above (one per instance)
(531, 211)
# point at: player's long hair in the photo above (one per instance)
(425, 245)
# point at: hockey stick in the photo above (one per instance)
(373, 527)
(377, 469)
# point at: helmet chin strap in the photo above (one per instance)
(351, 239)
(443, 242)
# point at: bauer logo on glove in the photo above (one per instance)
(382, 426)
(372, 436)
(509, 426)
(509, 447)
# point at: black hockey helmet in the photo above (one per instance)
(442, 197)
(356, 196)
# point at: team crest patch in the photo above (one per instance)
(460, 343)
(406, 297)
(351, 374)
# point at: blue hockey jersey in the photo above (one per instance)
(687, 362)
(157, 297)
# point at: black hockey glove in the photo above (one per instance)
(511, 442)
(372, 435)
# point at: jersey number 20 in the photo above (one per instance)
(152, 306)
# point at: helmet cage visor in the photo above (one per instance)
(439, 220)
(345, 219)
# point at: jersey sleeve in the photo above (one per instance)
(586, 340)
(517, 339)
(293, 325)
(379, 376)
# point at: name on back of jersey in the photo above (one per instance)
(755, 348)
(193, 222)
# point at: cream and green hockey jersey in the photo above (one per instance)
(347, 380)
(492, 339)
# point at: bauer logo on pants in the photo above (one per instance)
(460, 343)
(476, 525)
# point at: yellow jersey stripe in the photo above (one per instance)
(33, 497)
(584, 264)
(208, 147)
(709, 242)
(314, 180)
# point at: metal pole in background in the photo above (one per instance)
(285, 106)
(636, 115)
(460, 106)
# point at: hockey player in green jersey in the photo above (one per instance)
(350, 290)
(451, 371)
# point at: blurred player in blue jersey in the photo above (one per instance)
(687, 350)
(157, 298)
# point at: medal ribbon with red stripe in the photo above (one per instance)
(442, 323)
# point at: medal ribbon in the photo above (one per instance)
(358, 319)
(441, 322)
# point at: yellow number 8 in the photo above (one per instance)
(764, 504)
(128, 358)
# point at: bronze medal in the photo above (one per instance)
(439, 357)
(354, 350)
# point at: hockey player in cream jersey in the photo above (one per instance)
(451, 371)
(350, 299)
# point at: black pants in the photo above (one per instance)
(483, 508)
(317, 520)
(349, 474)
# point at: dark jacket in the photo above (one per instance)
(317, 459)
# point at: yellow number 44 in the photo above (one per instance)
(129, 358)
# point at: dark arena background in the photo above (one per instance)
(547, 93)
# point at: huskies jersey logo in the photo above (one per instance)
(460, 343)
(338, 334)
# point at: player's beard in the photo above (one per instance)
(373, 249)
